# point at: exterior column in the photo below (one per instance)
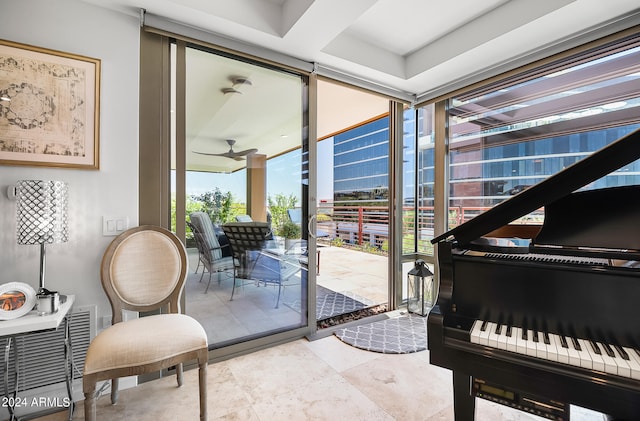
(257, 186)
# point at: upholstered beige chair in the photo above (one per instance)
(143, 270)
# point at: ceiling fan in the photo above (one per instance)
(238, 156)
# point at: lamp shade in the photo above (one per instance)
(42, 212)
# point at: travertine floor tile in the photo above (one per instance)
(321, 380)
(339, 355)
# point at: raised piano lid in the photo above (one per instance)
(608, 159)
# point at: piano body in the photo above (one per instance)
(541, 323)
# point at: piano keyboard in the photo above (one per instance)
(612, 359)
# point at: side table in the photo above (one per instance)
(32, 323)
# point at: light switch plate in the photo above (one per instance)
(114, 225)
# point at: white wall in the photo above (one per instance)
(75, 27)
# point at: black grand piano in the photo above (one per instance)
(543, 322)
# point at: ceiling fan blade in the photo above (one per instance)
(246, 152)
(238, 156)
(230, 155)
(226, 154)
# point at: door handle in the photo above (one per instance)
(310, 230)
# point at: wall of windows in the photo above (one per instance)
(518, 131)
(504, 135)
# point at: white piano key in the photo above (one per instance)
(596, 359)
(493, 336)
(583, 353)
(574, 357)
(552, 350)
(634, 362)
(475, 332)
(563, 354)
(512, 341)
(521, 344)
(541, 347)
(484, 334)
(610, 365)
(623, 367)
(502, 338)
(531, 345)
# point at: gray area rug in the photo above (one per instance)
(399, 335)
(330, 303)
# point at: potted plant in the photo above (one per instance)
(290, 231)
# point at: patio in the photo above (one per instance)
(353, 274)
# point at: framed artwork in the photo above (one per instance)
(49, 107)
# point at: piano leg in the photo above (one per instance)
(464, 404)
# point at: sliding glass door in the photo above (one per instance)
(353, 217)
(240, 163)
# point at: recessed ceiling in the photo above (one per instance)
(413, 46)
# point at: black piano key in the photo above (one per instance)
(484, 326)
(608, 349)
(535, 336)
(498, 328)
(576, 345)
(524, 334)
(595, 347)
(563, 341)
(622, 352)
(545, 337)
(509, 334)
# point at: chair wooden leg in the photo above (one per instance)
(114, 390)
(202, 377)
(179, 374)
(90, 404)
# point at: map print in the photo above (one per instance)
(46, 111)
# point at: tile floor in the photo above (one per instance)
(324, 379)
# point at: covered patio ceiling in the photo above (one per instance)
(265, 114)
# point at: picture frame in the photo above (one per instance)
(16, 300)
(49, 107)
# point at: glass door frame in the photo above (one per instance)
(155, 159)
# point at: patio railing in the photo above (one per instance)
(370, 224)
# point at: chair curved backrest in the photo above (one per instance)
(203, 224)
(144, 269)
(203, 251)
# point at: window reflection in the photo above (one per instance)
(508, 137)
